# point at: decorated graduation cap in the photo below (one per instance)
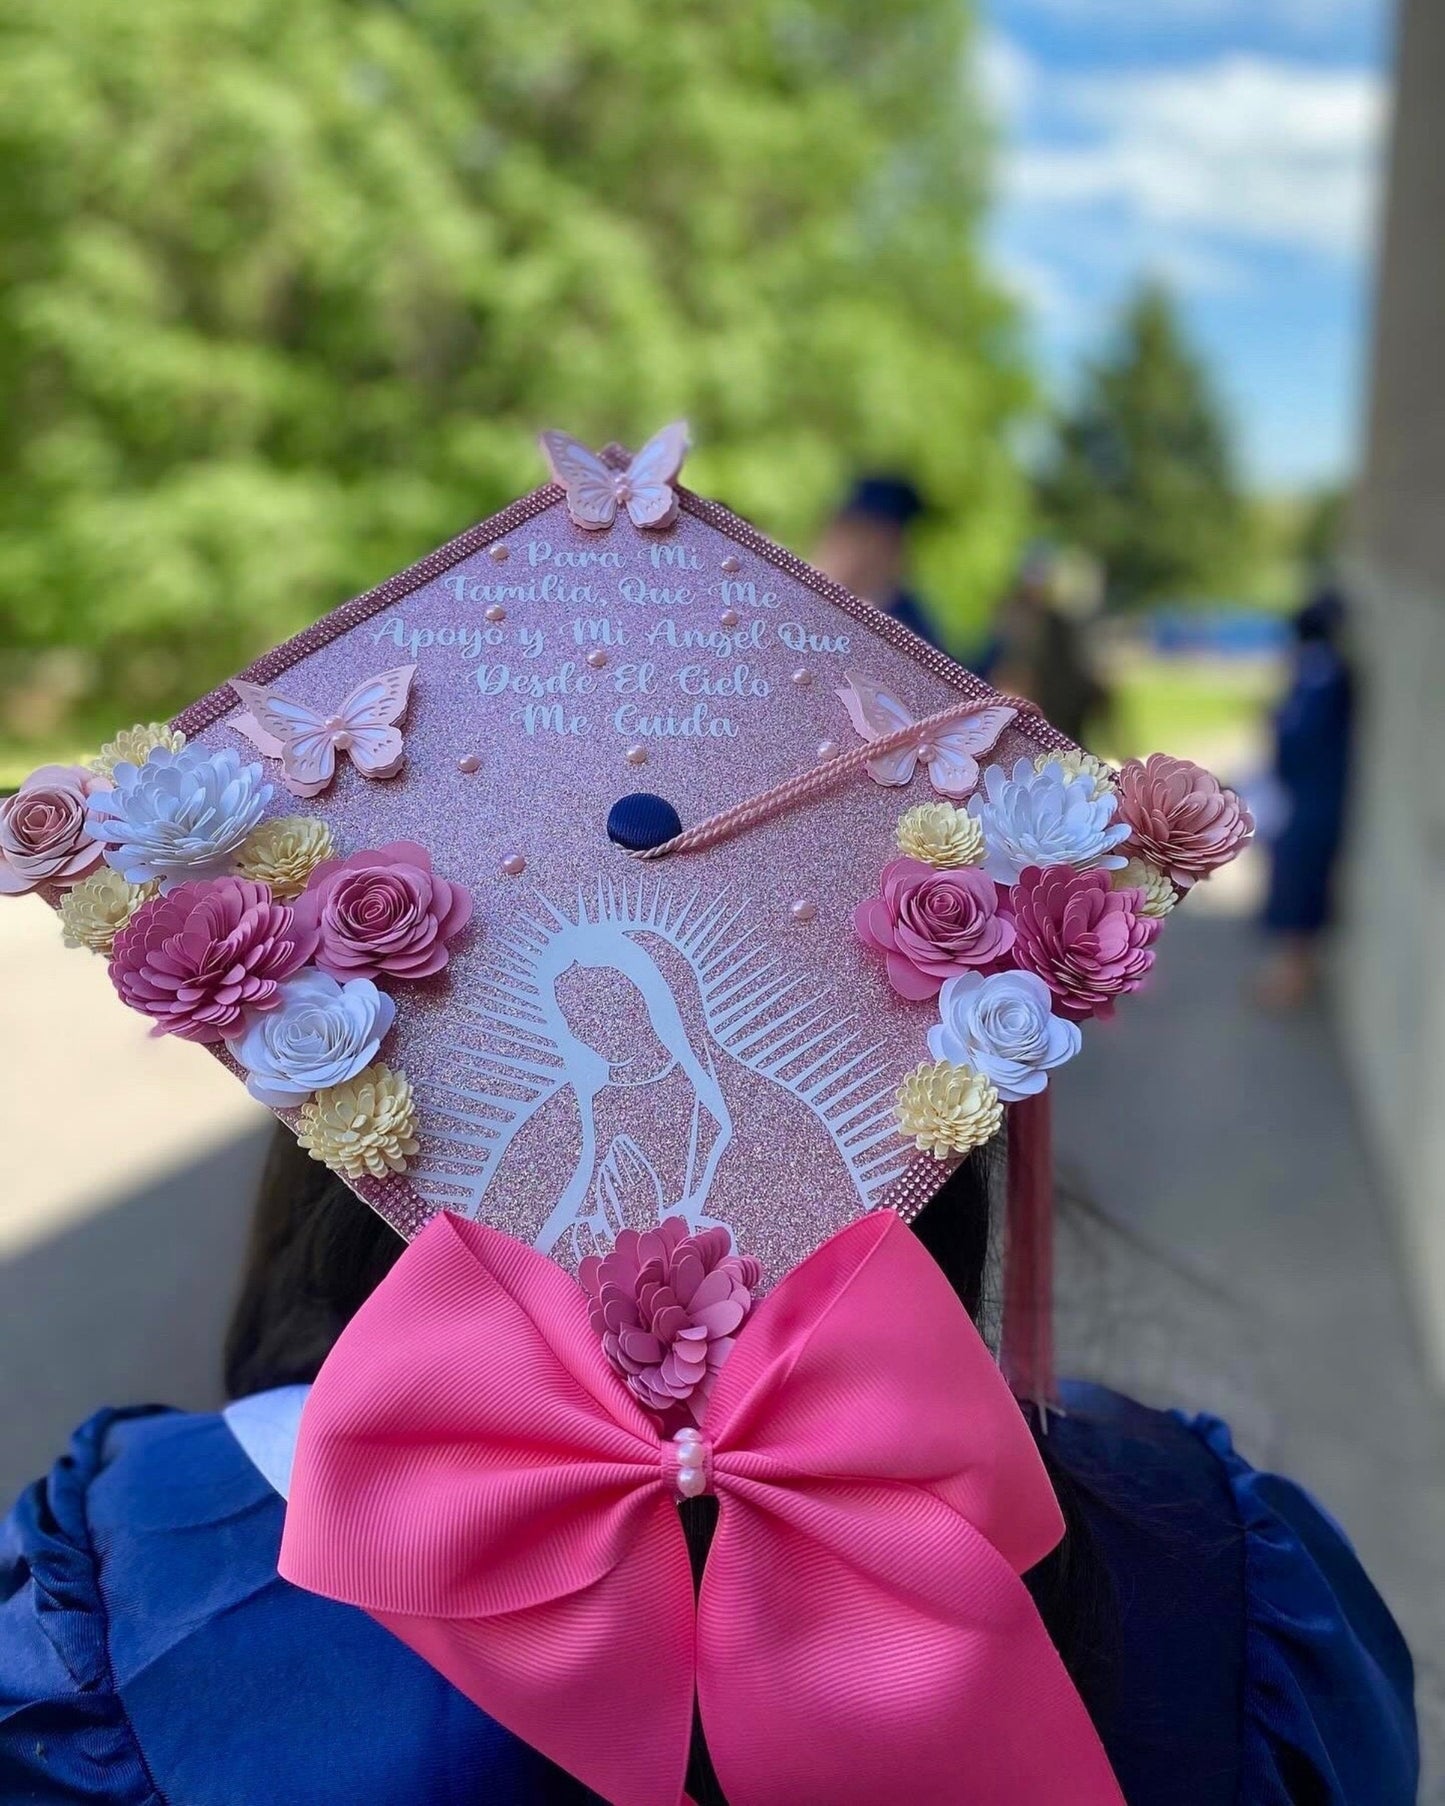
(647, 927)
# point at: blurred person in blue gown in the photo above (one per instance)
(865, 548)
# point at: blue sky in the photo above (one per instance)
(1231, 146)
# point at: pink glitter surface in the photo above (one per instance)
(616, 1039)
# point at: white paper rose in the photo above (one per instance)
(320, 1034)
(1045, 816)
(180, 815)
(1003, 1027)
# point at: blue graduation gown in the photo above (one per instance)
(151, 1656)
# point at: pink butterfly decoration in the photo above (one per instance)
(307, 742)
(595, 491)
(949, 752)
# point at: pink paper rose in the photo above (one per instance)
(43, 838)
(383, 912)
(1182, 819)
(207, 954)
(668, 1306)
(931, 925)
(1087, 942)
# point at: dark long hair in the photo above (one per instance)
(316, 1255)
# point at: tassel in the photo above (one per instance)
(1028, 1309)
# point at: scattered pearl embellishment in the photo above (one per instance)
(691, 1463)
(828, 749)
(732, 563)
(802, 679)
(514, 865)
(597, 658)
(495, 613)
(636, 755)
(469, 762)
(499, 554)
(729, 617)
(804, 910)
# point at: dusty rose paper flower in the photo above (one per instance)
(1088, 942)
(1181, 819)
(43, 836)
(383, 911)
(201, 956)
(668, 1306)
(930, 925)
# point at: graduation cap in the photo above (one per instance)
(611, 867)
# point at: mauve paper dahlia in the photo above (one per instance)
(43, 834)
(930, 925)
(1088, 942)
(1181, 818)
(383, 912)
(668, 1306)
(203, 955)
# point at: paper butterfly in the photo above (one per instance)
(307, 742)
(595, 491)
(948, 752)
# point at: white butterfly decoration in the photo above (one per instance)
(307, 742)
(949, 752)
(595, 491)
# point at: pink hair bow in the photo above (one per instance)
(473, 1473)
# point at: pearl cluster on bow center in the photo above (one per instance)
(690, 1453)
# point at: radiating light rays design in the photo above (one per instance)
(507, 1056)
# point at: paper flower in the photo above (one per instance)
(1003, 1026)
(365, 1126)
(93, 912)
(134, 745)
(1180, 818)
(930, 925)
(946, 1109)
(1088, 943)
(1158, 893)
(383, 911)
(1043, 816)
(44, 836)
(1078, 763)
(319, 1034)
(940, 835)
(197, 958)
(284, 852)
(180, 815)
(668, 1305)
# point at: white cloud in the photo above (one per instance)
(1244, 148)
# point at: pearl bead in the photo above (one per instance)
(802, 679)
(495, 613)
(688, 1434)
(732, 563)
(469, 762)
(804, 910)
(828, 749)
(690, 1455)
(729, 617)
(691, 1482)
(498, 553)
(636, 755)
(597, 658)
(514, 865)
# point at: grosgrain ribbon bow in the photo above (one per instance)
(472, 1472)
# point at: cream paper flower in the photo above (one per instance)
(946, 1109)
(940, 835)
(364, 1126)
(1081, 764)
(133, 744)
(93, 912)
(284, 852)
(1160, 895)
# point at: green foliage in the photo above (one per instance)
(291, 286)
(1142, 474)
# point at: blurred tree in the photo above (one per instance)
(1142, 472)
(290, 287)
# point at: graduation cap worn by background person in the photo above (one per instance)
(667, 924)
